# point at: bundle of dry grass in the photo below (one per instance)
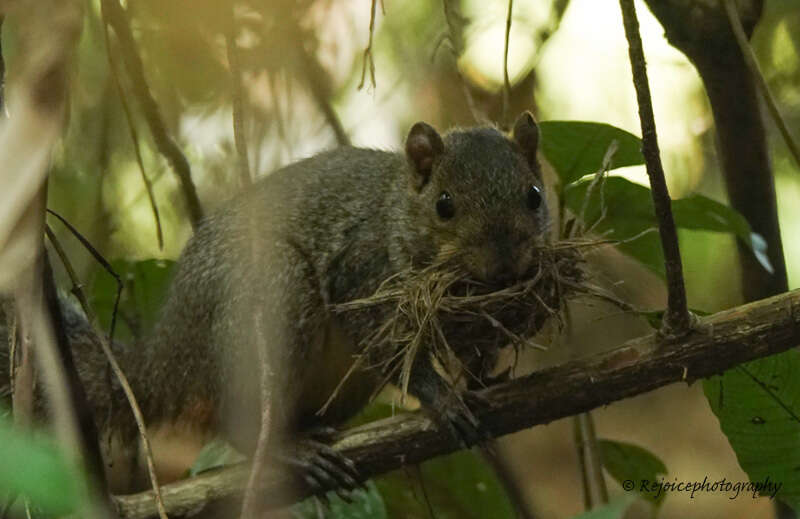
(462, 322)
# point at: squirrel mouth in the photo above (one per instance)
(447, 308)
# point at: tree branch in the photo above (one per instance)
(676, 318)
(117, 18)
(718, 343)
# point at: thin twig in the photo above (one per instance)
(506, 81)
(455, 29)
(112, 66)
(114, 15)
(112, 360)
(597, 181)
(368, 58)
(590, 448)
(21, 379)
(10, 500)
(586, 487)
(251, 502)
(80, 402)
(237, 98)
(595, 491)
(755, 70)
(319, 82)
(592, 482)
(2, 75)
(677, 319)
(510, 482)
(11, 322)
(103, 263)
(414, 475)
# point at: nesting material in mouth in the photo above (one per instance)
(440, 310)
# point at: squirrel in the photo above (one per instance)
(255, 284)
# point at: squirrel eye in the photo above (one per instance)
(534, 198)
(444, 206)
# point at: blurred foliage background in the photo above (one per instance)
(301, 65)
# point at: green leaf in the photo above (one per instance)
(758, 407)
(32, 466)
(376, 410)
(577, 148)
(145, 287)
(628, 462)
(216, 453)
(614, 510)
(459, 485)
(623, 210)
(367, 504)
(654, 318)
(703, 213)
(627, 212)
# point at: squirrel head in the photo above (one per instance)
(476, 197)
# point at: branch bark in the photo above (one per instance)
(718, 343)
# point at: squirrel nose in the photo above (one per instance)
(502, 266)
(501, 271)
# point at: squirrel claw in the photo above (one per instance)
(462, 423)
(319, 438)
(336, 464)
(475, 401)
(503, 376)
(323, 469)
(323, 433)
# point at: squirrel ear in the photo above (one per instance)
(423, 145)
(526, 135)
